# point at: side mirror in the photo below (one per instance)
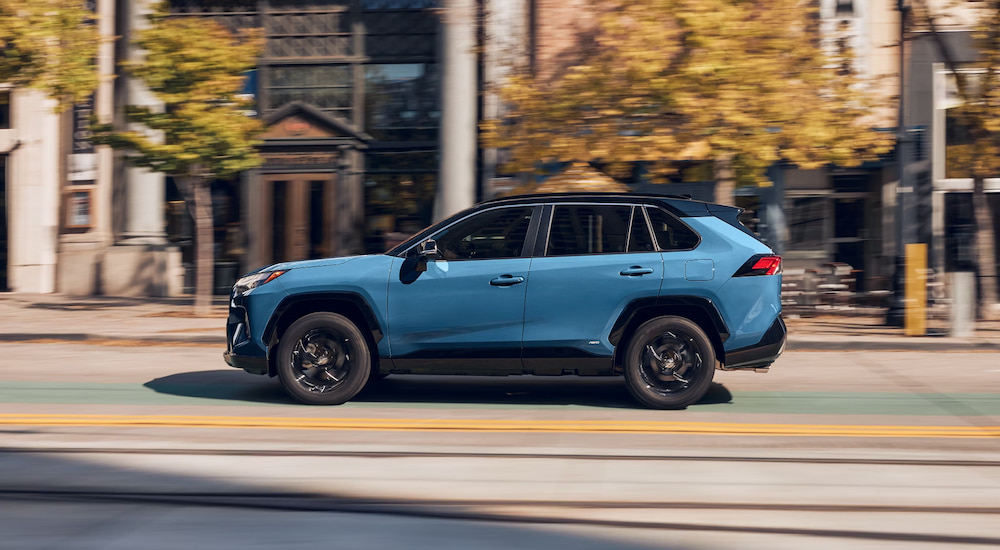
(428, 248)
(425, 250)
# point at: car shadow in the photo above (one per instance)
(226, 385)
(605, 392)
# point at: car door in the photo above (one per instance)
(465, 313)
(597, 258)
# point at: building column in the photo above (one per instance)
(32, 192)
(81, 253)
(505, 44)
(144, 190)
(459, 138)
(141, 262)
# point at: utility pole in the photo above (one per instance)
(897, 306)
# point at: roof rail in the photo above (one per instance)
(684, 196)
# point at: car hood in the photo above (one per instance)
(322, 262)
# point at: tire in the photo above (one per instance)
(669, 363)
(323, 359)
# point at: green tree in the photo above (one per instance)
(743, 83)
(51, 46)
(979, 114)
(196, 68)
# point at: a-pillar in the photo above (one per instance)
(457, 188)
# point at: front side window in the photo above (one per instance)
(498, 233)
(588, 229)
(670, 233)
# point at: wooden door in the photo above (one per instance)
(297, 217)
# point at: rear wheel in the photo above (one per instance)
(669, 363)
(323, 359)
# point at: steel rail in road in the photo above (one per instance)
(502, 426)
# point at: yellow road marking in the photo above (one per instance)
(492, 425)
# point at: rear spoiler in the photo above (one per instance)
(731, 215)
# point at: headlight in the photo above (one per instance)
(251, 282)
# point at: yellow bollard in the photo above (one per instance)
(916, 290)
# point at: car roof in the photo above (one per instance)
(680, 205)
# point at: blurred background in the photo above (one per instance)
(380, 116)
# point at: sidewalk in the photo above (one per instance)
(171, 321)
(110, 320)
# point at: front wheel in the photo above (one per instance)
(669, 363)
(323, 359)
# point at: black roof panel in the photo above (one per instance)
(681, 205)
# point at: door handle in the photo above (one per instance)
(636, 271)
(507, 280)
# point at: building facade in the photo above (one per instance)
(350, 92)
(371, 108)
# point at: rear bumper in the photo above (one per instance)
(761, 354)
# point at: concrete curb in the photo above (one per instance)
(853, 343)
(97, 338)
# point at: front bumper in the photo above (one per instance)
(253, 365)
(242, 350)
(761, 354)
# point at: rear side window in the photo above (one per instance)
(588, 229)
(670, 233)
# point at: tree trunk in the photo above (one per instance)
(198, 197)
(985, 249)
(725, 179)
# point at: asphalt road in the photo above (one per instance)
(167, 447)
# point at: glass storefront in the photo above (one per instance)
(401, 101)
(229, 244)
(399, 196)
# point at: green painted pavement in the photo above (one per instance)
(269, 393)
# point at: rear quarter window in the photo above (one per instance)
(671, 233)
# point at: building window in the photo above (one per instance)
(959, 233)
(806, 218)
(326, 87)
(958, 143)
(310, 29)
(399, 196)
(372, 5)
(402, 101)
(845, 8)
(4, 110)
(958, 147)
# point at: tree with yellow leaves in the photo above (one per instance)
(203, 132)
(743, 83)
(51, 46)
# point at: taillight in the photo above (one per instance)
(761, 264)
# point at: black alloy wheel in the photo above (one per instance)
(669, 363)
(323, 359)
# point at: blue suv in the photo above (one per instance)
(661, 289)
